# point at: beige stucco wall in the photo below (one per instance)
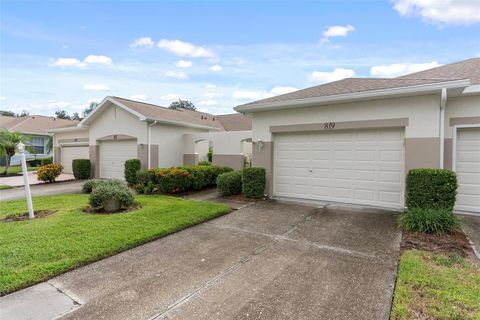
(421, 111)
(468, 106)
(61, 137)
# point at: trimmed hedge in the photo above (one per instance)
(49, 172)
(229, 183)
(81, 168)
(204, 163)
(437, 221)
(45, 161)
(254, 181)
(131, 168)
(111, 189)
(178, 179)
(431, 189)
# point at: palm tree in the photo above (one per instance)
(8, 144)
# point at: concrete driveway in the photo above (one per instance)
(270, 260)
(44, 189)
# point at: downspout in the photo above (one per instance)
(443, 103)
(149, 145)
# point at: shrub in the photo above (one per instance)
(45, 161)
(34, 162)
(49, 172)
(437, 221)
(229, 183)
(89, 185)
(253, 180)
(131, 168)
(210, 154)
(111, 189)
(431, 189)
(204, 163)
(81, 168)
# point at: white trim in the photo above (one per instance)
(183, 124)
(66, 129)
(355, 96)
(85, 121)
(443, 105)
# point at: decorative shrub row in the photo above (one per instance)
(250, 181)
(131, 168)
(431, 189)
(49, 172)
(81, 168)
(111, 190)
(229, 183)
(178, 179)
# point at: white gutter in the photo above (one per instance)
(355, 96)
(443, 103)
(183, 124)
(149, 144)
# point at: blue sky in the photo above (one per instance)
(62, 55)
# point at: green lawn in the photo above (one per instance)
(3, 187)
(16, 169)
(434, 286)
(36, 250)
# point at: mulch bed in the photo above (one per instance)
(101, 211)
(24, 216)
(447, 244)
(240, 198)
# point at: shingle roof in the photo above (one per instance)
(34, 124)
(235, 122)
(467, 69)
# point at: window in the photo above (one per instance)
(38, 144)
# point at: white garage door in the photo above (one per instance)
(362, 166)
(468, 170)
(113, 155)
(73, 152)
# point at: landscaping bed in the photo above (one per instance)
(36, 250)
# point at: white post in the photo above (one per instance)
(28, 194)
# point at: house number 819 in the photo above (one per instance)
(329, 125)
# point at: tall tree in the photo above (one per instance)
(8, 144)
(62, 114)
(89, 109)
(183, 104)
(76, 116)
(24, 113)
(7, 113)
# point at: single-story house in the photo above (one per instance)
(354, 140)
(119, 129)
(36, 129)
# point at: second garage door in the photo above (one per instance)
(362, 167)
(113, 155)
(69, 153)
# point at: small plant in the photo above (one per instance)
(45, 161)
(436, 221)
(89, 185)
(49, 172)
(229, 183)
(131, 168)
(431, 189)
(204, 163)
(210, 154)
(111, 195)
(81, 168)
(254, 181)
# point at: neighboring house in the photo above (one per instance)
(120, 129)
(354, 140)
(35, 127)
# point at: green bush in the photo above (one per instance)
(431, 189)
(254, 181)
(34, 162)
(204, 163)
(45, 161)
(210, 154)
(437, 221)
(89, 185)
(229, 183)
(111, 189)
(131, 168)
(49, 172)
(81, 168)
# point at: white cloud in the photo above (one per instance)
(146, 42)
(176, 75)
(216, 68)
(59, 104)
(3, 98)
(68, 63)
(208, 102)
(399, 69)
(337, 31)
(337, 74)
(171, 97)
(282, 90)
(184, 49)
(98, 59)
(211, 95)
(183, 64)
(95, 87)
(139, 97)
(440, 11)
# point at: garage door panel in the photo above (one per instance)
(113, 155)
(364, 166)
(69, 153)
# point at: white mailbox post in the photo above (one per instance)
(28, 194)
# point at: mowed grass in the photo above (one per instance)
(3, 187)
(36, 250)
(16, 169)
(434, 286)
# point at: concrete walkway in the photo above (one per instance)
(471, 227)
(270, 260)
(42, 190)
(17, 181)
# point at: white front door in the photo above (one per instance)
(468, 169)
(113, 155)
(358, 166)
(69, 153)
